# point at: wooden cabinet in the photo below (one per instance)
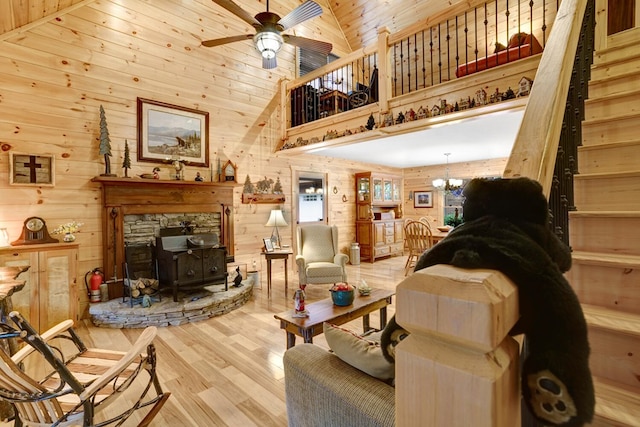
(379, 229)
(50, 294)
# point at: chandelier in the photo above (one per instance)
(448, 185)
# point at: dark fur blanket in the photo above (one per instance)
(505, 229)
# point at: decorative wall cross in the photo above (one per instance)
(31, 169)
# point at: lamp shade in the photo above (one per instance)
(4, 238)
(276, 219)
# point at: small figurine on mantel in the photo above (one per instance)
(126, 162)
(199, 177)
(178, 165)
(154, 175)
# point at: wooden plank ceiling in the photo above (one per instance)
(359, 20)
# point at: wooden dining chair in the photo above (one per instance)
(55, 380)
(427, 220)
(418, 237)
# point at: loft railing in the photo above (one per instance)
(479, 35)
(454, 43)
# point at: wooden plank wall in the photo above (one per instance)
(56, 74)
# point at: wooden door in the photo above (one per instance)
(23, 301)
(58, 297)
(379, 233)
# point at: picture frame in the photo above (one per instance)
(169, 132)
(31, 169)
(423, 199)
(268, 245)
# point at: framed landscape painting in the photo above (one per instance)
(168, 132)
(423, 199)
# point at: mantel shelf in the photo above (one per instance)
(108, 180)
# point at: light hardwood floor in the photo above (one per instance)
(227, 371)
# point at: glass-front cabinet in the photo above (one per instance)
(379, 227)
(363, 188)
(388, 190)
(377, 189)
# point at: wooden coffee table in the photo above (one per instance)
(325, 311)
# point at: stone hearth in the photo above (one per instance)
(209, 302)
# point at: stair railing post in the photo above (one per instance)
(458, 367)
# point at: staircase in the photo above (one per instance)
(605, 231)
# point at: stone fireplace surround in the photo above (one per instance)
(134, 210)
(170, 201)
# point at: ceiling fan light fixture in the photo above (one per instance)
(268, 43)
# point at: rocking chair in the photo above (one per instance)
(365, 94)
(77, 383)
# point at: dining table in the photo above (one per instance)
(437, 235)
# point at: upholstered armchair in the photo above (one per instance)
(318, 258)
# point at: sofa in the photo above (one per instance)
(520, 46)
(322, 390)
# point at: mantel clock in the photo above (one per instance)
(34, 231)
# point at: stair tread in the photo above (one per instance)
(606, 259)
(599, 175)
(608, 119)
(605, 145)
(606, 318)
(605, 214)
(616, 402)
(632, 92)
(607, 79)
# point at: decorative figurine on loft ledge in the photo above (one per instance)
(105, 143)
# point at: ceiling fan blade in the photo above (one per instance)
(270, 63)
(305, 43)
(225, 40)
(306, 10)
(238, 11)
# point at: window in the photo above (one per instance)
(309, 60)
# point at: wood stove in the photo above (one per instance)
(190, 262)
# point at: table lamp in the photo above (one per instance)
(275, 219)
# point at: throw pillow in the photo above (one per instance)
(363, 353)
(518, 39)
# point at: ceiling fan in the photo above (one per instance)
(269, 26)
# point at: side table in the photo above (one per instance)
(277, 254)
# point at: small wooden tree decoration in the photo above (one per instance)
(105, 144)
(277, 187)
(248, 186)
(371, 122)
(126, 162)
